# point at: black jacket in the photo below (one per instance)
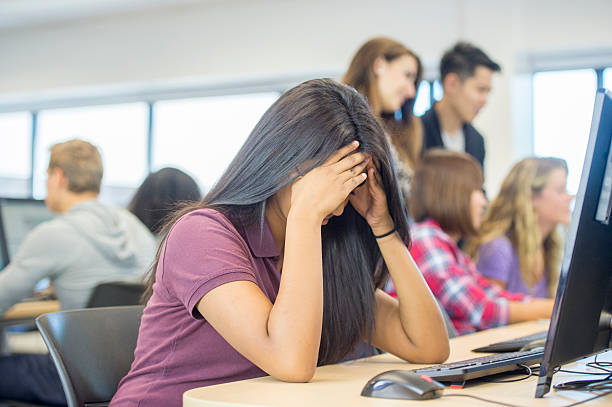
(432, 136)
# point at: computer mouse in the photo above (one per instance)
(402, 384)
(534, 345)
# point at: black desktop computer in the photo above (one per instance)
(580, 325)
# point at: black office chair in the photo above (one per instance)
(92, 350)
(115, 293)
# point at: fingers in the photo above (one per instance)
(356, 170)
(349, 162)
(342, 152)
(354, 181)
(374, 178)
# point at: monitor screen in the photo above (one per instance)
(580, 322)
(17, 218)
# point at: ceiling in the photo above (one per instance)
(24, 13)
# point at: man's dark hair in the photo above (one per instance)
(463, 59)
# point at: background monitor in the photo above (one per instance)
(580, 322)
(17, 218)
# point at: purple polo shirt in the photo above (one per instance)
(177, 349)
(498, 260)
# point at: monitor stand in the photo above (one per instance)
(545, 377)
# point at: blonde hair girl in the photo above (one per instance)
(518, 245)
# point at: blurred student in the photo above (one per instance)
(89, 243)
(388, 74)
(159, 194)
(518, 246)
(448, 203)
(466, 73)
(279, 268)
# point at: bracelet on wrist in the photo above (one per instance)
(386, 234)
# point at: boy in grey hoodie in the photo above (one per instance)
(88, 244)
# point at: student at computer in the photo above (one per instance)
(159, 194)
(388, 74)
(279, 268)
(466, 73)
(518, 246)
(88, 243)
(447, 203)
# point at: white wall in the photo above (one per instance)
(237, 39)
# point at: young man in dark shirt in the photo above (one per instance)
(466, 73)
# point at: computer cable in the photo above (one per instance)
(501, 403)
(594, 365)
(600, 365)
(586, 373)
(586, 385)
(528, 371)
(603, 385)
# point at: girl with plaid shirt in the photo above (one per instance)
(448, 204)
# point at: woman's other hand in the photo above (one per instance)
(370, 201)
(323, 191)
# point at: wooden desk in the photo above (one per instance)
(341, 384)
(28, 310)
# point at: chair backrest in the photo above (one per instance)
(116, 293)
(450, 328)
(92, 350)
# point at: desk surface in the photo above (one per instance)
(341, 384)
(29, 310)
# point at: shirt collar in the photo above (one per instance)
(262, 243)
(429, 222)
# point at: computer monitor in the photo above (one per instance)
(580, 322)
(17, 218)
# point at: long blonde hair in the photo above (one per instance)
(511, 214)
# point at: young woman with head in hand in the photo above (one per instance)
(388, 74)
(279, 268)
(448, 204)
(518, 245)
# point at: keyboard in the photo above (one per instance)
(512, 345)
(458, 372)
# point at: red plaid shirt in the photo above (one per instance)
(471, 301)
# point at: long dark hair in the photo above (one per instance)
(301, 130)
(159, 193)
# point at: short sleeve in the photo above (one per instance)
(495, 259)
(203, 251)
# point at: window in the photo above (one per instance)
(201, 136)
(562, 110)
(607, 78)
(437, 90)
(15, 154)
(423, 99)
(120, 133)
(428, 93)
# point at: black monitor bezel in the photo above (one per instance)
(574, 330)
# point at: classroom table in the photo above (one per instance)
(28, 311)
(341, 384)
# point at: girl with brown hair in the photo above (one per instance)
(518, 246)
(447, 203)
(388, 74)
